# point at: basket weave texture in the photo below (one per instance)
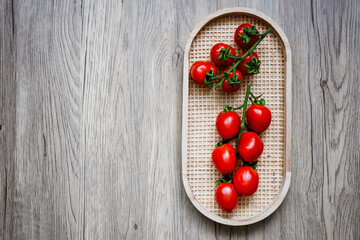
(205, 104)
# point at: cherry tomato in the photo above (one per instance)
(243, 69)
(226, 197)
(258, 118)
(250, 146)
(240, 41)
(199, 69)
(224, 158)
(228, 88)
(228, 124)
(246, 181)
(216, 51)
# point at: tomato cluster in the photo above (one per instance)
(229, 125)
(247, 63)
(245, 180)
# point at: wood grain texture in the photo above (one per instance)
(90, 115)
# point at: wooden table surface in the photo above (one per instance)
(90, 120)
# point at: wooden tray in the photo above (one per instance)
(201, 106)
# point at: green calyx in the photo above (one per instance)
(251, 164)
(219, 144)
(248, 34)
(233, 81)
(224, 54)
(209, 78)
(220, 181)
(253, 65)
(256, 101)
(228, 108)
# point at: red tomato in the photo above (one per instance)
(226, 197)
(243, 69)
(224, 158)
(246, 181)
(258, 118)
(199, 69)
(240, 41)
(215, 53)
(226, 87)
(228, 124)
(250, 146)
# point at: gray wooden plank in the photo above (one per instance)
(111, 116)
(7, 115)
(43, 176)
(336, 119)
(91, 121)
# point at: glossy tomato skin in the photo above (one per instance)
(246, 181)
(228, 124)
(226, 197)
(250, 146)
(241, 66)
(199, 69)
(258, 118)
(224, 158)
(215, 53)
(239, 41)
(226, 87)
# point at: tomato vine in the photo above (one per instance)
(253, 65)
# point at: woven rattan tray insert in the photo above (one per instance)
(201, 106)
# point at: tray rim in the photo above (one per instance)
(288, 89)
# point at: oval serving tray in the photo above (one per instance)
(201, 105)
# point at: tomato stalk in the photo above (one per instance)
(240, 59)
(242, 124)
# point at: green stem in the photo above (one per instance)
(219, 85)
(242, 124)
(217, 77)
(236, 64)
(212, 79)
(259, 96)
(253, 95)
(233, 56)
(238, 107)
